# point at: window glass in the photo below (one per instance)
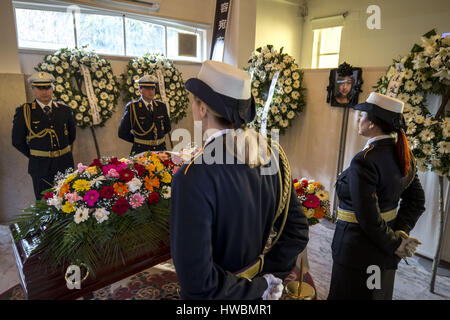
(103, 34)
(329, 61)
(44, 29)
(330, 40)
(173, 49)
(143, 37)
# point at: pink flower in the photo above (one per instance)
(72, 197)
(175, 169)
(113, 173)
(136, 200)
(81, 168)
(91, 197)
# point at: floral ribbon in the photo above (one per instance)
(90, 94)
(162, 89)
(267, 105)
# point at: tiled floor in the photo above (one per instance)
(412, 281)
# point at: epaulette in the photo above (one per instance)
(367, 151)
(192, 161)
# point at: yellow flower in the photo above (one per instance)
(70, 178)
(297, 185)
(92, 170)
(166, 177)
(323, 195)
(159, 166)
(68, 207)
(81, 185)
(310, 188)
(150, 168)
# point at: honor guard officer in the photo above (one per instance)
(224, 205)
(146, 121)
(380, 201)
(44, 131)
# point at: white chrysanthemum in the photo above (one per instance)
(408, 73)
(419, 119)
(421, 165)
(426, 135)
(283, 109)
(79, 116)
(86, 119)
(274, 110)
(295, 95)
(443, 147)
(81, 215)
(427, 149)
(291, 114)
(411, 128)
(256, 83)
(55, 59)
(59, 88)
(416, 98)
(295, 76)
(287, 100)
(73, 104)
(410, 86)
(101, 214)
(103, 96)
(65, 97)
(403, 97)
(134, 184)
(166, 192)
(288, 89)
(82, 108)
(50, 67)
(278, 100)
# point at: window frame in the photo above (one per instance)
(182, 26)
(316, 47)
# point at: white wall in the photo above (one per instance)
(403, 22)
(9, 62)
(279, 23)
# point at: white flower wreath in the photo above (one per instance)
(65, 65)
(426, 71)
(289, 95)
(175, 91)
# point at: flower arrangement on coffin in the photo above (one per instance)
(425, 71)
(314, 198)
(66, 66)
(101, 212)
(289, 94)
(175, 91)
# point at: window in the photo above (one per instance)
(326, 46)
(51, 27)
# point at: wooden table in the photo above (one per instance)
(41, 284)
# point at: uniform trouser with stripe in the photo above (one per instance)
(41, 183)
(351, 284)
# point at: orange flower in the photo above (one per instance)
(64, 189)
(318, 185)
(319, 212)
(151, 182)
(120, 188)
(150, 168)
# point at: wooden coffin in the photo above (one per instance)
(40, 283)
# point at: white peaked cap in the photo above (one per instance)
(226, 79)
(385, 102)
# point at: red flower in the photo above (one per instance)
(121, 206)
(300, 191)
(107, 192)
(126, 175)
(166, 163)
(153, 198)
(140, 169)
(304, 183)
(49, 195)
(294, 181)
(311, 201)
(114, 161)
(96, 162)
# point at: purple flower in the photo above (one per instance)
(91, 197)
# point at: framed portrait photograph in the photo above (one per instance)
(344, 86)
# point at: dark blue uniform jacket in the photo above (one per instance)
(61, 120)
(221, 216)
(372, 184)
(158, 121)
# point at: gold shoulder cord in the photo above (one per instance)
(31, 133)
(285, 194)
(143, 132)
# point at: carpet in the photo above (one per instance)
(157, 283)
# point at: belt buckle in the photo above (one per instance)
(55, 153)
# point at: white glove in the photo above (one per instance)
(274, 287)
(408, 246)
